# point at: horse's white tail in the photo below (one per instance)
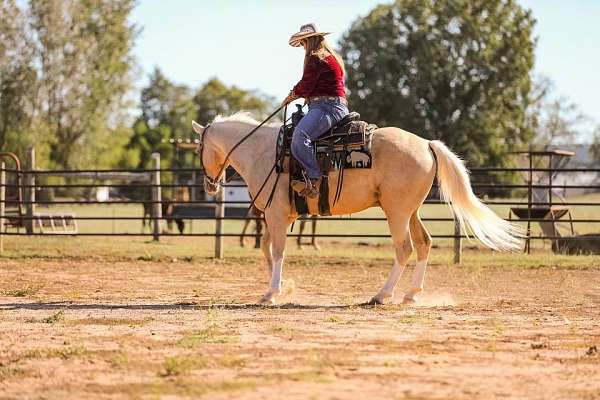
(455, 189)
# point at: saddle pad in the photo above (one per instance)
(352, 149)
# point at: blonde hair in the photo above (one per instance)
(319, 47)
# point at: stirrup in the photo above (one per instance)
(306, 187)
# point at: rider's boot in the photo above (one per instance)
(307, 188)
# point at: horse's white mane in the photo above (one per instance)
(243, 117)
(240, 116)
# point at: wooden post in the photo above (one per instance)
(220, 214)
(30, 181)
(457, 242)
(2, 204)
(529, 205)
(156, 198)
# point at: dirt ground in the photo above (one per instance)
(101, 327)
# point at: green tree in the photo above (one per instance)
(85, 61)
(455, 70)
(167, 110)
(553, 120)
(214, 98)
(17, 78)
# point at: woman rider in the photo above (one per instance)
(322, 86)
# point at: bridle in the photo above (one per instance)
(213, 183)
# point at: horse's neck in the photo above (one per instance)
(254, 158)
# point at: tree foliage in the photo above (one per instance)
(553, 120)
(65, 72)
(85, 61)
(17, 76)
(455, 70)
(167, 110)
(214, 98)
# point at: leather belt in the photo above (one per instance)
(336, 99)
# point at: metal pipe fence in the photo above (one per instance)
(216, 209)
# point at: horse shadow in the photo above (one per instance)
(182, 306)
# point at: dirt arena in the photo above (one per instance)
(102, 327)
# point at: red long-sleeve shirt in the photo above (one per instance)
(321, 78)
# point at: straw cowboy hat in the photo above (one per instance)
(306, 30)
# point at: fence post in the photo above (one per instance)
(220, 214)
(457, 241)
(2, 204)
(156, 198)
(30, 182)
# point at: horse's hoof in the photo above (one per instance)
(410, 297)
(374, 302)
(379, 301)
(382, 299)
(269, 297)
(264, 301)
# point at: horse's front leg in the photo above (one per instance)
(277, 234)
(265, 246)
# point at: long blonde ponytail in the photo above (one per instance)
(319, 47)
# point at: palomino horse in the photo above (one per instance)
(404, 167)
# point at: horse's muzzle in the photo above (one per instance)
(211, 188)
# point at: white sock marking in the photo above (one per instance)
(276, 274)
(419, 275)
(392, 280)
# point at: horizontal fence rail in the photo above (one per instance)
(137, 187)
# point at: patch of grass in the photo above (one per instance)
(64, 353)
(391, 364)
(500, 328)
(8, 371)
(175, 386)
(283, 330)
(119, 360)
(210, 335)
(112, 321)
(146, 257)
(231, 362)
(492, 346)
(333, 318)
(175, 366)
(54, 318)
(23, 292)
(413, 318)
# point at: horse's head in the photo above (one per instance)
(211, 159)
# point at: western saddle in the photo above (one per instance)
(346, 145)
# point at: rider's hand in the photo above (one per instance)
(291, 97)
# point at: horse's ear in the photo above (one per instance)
(197, 128)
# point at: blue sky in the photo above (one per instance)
(245, 43)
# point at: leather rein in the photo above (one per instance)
(214, 182)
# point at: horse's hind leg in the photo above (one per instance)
(301, 233)
(243, 234)
(314, 234)
(399, 228)
(422, 242)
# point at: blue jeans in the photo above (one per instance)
(321, 117)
